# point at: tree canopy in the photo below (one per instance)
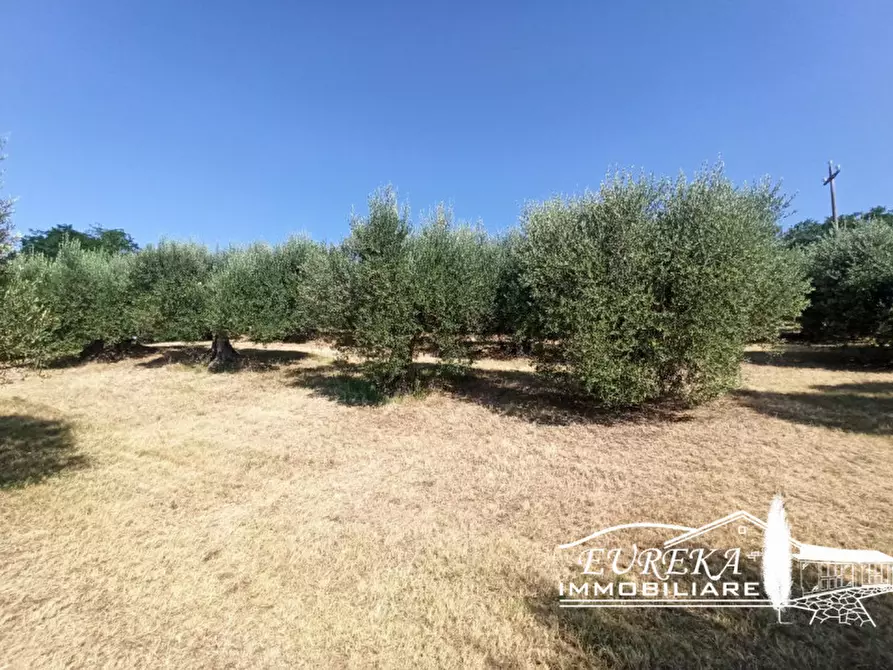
(97, 238)
(646, 289)
(810, 231)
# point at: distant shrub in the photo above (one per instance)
(651, 289)
(852, 277)
(809, 231)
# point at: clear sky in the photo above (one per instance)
(232, 121)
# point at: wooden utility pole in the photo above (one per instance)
(832, 173)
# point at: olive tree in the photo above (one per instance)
(650, 288)
(7, 234)
(852, 278)
(381, 320)
(168, 289)
(69, 305)
(454, 284)
(262, 292)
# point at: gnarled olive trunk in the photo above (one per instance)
(222, 352)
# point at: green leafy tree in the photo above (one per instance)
(513, 310)
(264, 292)
(852, 278)
(805, 233)
(48, 242)
(28, 329)
(168, 291)
(588, 264)
(326, 290)
(651, 288)
(64, 306)
(810, 231)
(454, 284)
(381, 319)
(724, 279)
(113, 240)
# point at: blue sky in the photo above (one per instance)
(228, 122)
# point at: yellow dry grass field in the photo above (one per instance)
(155, 515)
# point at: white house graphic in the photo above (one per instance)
(829, 582)
(833, 582)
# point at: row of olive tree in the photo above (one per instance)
(435, 284)
(645, 289)
(87, 300)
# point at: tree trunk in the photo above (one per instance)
(222, 352)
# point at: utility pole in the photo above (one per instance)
(832, 173)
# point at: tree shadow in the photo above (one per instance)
(882, 388)
(827, 358)
(252, 359)
(343, 382)
(97, 352)
(857, 408)
(514, 393)
(32, 449)
(528, 396)
(709, 637)
(345, 387)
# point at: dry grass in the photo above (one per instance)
(156, 515)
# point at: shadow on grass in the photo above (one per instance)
(251, 359)
(32, 449)
(528, 396)
(345, 388)
(514, 393)
(343, 382)
(857, 408)
(712, 637)
(96, 353)
(825, 357)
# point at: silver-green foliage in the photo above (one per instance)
(265, 292)
(513, 313)
(380, 317)
(56, 307)
(651, 288)
(28, 330)
(168, 291)
(7, 235)
(454, 283)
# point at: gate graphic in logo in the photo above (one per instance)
(736, 561)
